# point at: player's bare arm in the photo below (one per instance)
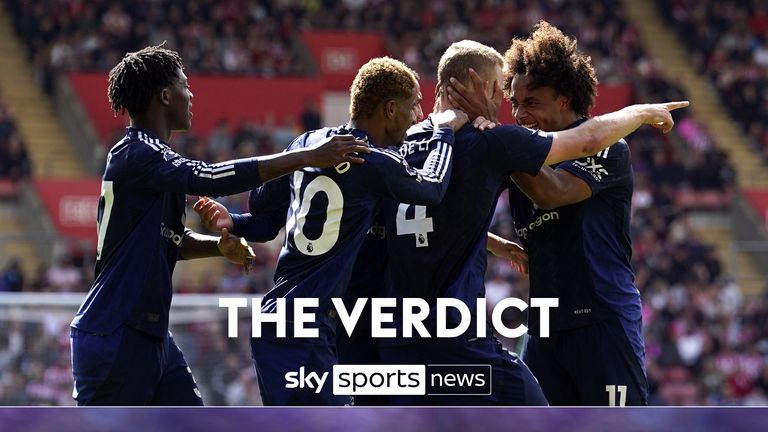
(592, 136)
(214, 216)
(508, 250)
(600, 132)
(552, 188)
(235, 249)
(335, 150)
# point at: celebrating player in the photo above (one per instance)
(439, 251)
(122, 351)
(582, 254)
(329, 213)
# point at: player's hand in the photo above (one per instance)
(214, 215)
(659, 115)
(452, 118)
(236, 249)
(335, 150)
(481, 123)
(474, 100)
(509, 250)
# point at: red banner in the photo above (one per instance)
(72, 206)
(759, 200)
(254, 99)
(339, 55)
(215, 97)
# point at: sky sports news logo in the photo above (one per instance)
(409, 380)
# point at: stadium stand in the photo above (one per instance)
(705, 340)
(728, 42)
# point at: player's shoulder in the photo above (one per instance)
(140, 145)
(421, 128)
(312, 138)
(379, 156)
(513, 131)
(618, 151)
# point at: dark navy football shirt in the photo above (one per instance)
(332, 211)
(440, 250)
(141, 227)
(581, 253)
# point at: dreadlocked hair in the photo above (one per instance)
(551, 59)
(139, 76)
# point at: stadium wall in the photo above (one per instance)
(240, 98)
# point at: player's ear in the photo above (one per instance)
(564, 102)
(390, 108)
(165, 96)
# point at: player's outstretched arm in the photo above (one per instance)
(508, 250)
(600, 132)
(334, 150)
(235, 249)
(160, 169)
(428, 185)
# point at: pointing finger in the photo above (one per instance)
(676, 105)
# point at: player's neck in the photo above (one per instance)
(153, 124)
(374, 129)
(567, 120)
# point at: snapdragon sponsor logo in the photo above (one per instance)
(415, 380)
(541, 219)
(412, 312)
(170, 234)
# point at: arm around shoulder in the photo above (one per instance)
(552, 188)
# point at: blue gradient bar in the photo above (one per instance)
(382, 419)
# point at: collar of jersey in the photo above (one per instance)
(576, 123)
(357, 133)
(133, 133)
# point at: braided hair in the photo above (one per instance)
(139, 76)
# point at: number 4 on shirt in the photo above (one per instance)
(420, 226)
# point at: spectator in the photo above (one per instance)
(310, 117)
(12, 278)
(65, 277)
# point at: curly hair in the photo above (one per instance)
(551, 59)
(139, 76)
(380, 80)
(461, 56)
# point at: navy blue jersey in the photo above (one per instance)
(141, 227)
(581, 253)
(332, 210)
(268, 206)
(440, 250)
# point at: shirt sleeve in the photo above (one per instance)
(603, 170)
(394, 178)
(158, 168)
(512, 148)
(268, 206)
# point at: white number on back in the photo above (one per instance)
(108, 195)
(420, 226)
(300, 206)
(611, 389)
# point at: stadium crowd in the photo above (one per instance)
(14, 161)
(704, 341)
(728, 42)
